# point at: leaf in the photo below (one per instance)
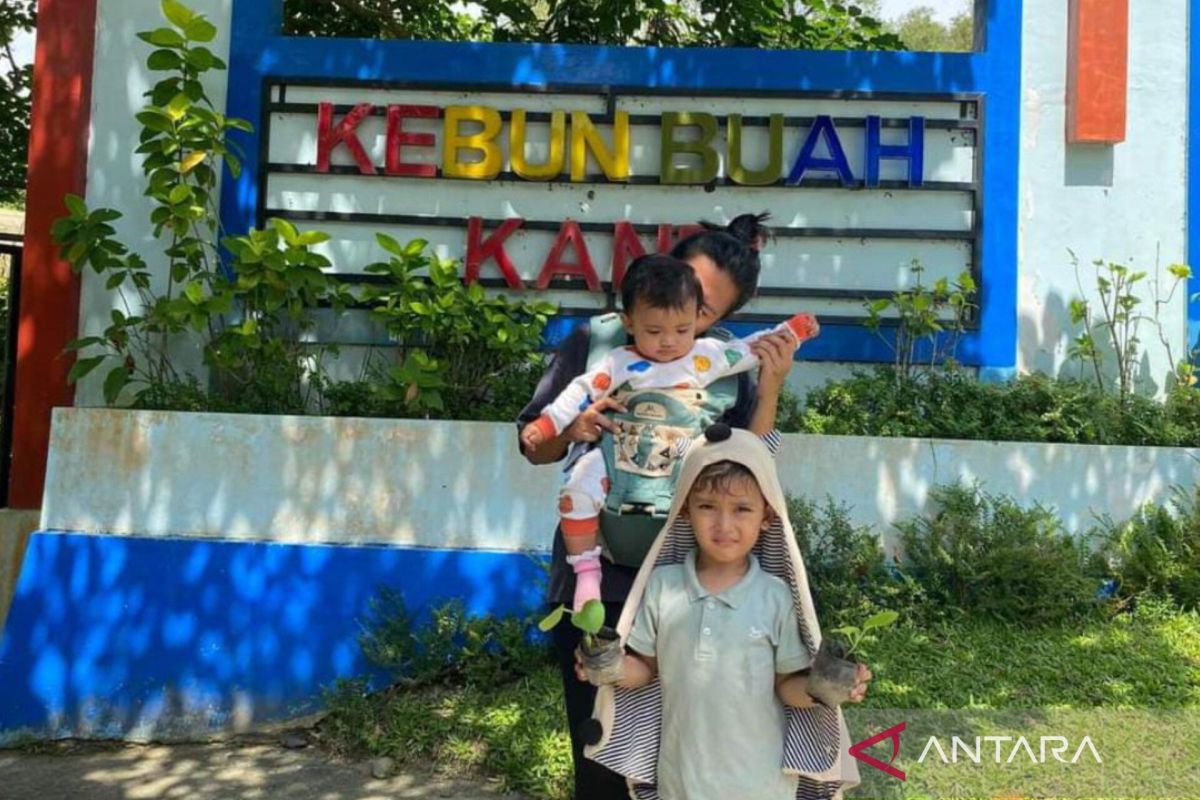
(201, 58)
(114, 382)
(192, 160)
(880, 620)
(178, 106)
(177, 13)
(1180, 271)
(591, 618)
(82, 367)
(179, 194)
(164, 60)
(162, 37)
(551, 620)
(312, 237)
(285, 229)
(389, 244)
(79, 344)
(195, 292)
(75, 205)
(200, 30)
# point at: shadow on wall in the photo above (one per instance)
(119, 637)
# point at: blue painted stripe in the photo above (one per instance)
(258, 50)
(836, 343)
(1193, 179)
(111, 635)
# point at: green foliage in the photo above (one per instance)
(936, 315)
(813, 24)
(985, 555)
(250, 312)
(451, 648)
(515, 733)
(849, 574)
(1154, 553)
(455, 341)
(952, 404)
(15, 84)
(462, 353)
(920, 31)
(856, 635)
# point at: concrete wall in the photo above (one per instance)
(1123, 203)
(462, 484)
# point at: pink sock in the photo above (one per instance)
(587, 578)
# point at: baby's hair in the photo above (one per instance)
(660, 281)
(719, 477)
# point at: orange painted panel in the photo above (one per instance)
(1097, 70)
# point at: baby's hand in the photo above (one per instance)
(531, 436)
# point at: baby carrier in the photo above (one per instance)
(643, 457)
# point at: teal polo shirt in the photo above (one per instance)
(718, 654)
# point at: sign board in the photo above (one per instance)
(555, 191)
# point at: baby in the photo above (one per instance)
(661, 299)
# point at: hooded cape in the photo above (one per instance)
(816, 741)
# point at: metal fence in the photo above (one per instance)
(10, 293)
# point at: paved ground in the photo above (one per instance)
(247, 769)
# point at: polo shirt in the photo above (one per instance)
(718, 655)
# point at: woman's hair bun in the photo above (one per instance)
(749, 229)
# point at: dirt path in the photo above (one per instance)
(240, 769)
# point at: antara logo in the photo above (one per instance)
(1057, 746)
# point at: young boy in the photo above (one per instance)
(728, 642)
(661, 299)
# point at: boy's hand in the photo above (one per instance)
(861, 679)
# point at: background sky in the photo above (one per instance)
(943, 10)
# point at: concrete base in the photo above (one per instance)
(15, 527)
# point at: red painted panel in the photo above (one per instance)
(1097, 70)
(49, 312)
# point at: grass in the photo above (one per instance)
(516, 732)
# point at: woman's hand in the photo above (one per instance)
(776, 354)
(589, 425)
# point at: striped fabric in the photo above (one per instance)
(816, 740)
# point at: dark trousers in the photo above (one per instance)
(592, 781)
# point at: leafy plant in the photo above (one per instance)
(856, 636)
(934, 315)
(251, 311)
(812, 24)
(953, 404)
(1154, 553)
(1110, 324)
(455, 341)
(849, 573)
(589, 619)
(984, 554)
(450, 648)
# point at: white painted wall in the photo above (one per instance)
(114, 177)
(1124, 203)
(463, 484)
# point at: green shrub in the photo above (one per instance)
(848, 572)
(984, 554)
(452, 647)
(1155, 553)
(953, 404)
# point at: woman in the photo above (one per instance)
(727, 265)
